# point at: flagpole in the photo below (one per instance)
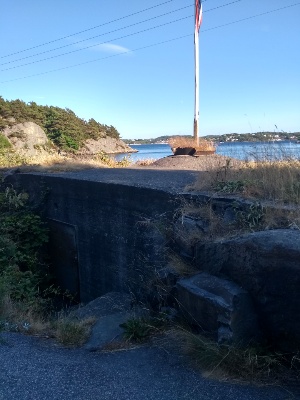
(196, 113)
(198, 20)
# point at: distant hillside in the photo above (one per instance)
(62, 126)
(230, 137)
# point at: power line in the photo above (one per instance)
(93, 37)
(86, 30)
(253, 16)
(98, 44)
(98, 59)
(152, 45)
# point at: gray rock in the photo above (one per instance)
(218, 307)
(267, 265)
(110, 303)
(110, 310)
(107, 330)
(187, 231)
(107, 145)
(27, 138)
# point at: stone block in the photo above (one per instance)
(218, 307)
(267, 265)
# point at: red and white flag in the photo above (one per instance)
(198, 15)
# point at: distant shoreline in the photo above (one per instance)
(226, 138)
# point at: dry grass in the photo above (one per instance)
(181, 141)
(251, 364)
(16, 317)
(73, 333)
(277, 181)
(146, 162)
(57, 163)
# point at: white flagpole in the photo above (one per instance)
(196, 114)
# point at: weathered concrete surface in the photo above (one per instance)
(115, 220)
(219, 307)
(113, 215)
(267, 265)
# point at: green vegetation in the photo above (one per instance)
(72, 333)
(4, 143)
(62, 126)
(27, 292)
(24, 276)
(136, 329)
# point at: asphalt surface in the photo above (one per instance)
(38, 369)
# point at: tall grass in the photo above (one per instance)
(277, 181)
(251, 364)
(53, 162)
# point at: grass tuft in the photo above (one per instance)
(72, 333)
(251, 364)
(277, 181)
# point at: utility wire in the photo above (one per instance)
(98, 59)
(252, 16)
(93, 37)
(86, 30)
(115, 30)
(152, 45)
(98, 44)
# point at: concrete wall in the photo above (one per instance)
(101, 235)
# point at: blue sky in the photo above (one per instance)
(249, 71)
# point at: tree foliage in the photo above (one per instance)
(62, 126)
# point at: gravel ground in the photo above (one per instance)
(38, 369)
(196, 163)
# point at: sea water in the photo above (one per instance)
(240, 150)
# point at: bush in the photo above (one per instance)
(4, 143)
(23, 274)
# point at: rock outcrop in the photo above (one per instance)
(27, 138)
(267, 265)
(218, 307)
(110, 311)
(107, 145)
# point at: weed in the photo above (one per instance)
(249, 364)
(145, 162)
(277, 181)
(229, 186)
(252, 218)
(140, 329)
(136, 329)
(4, 142)
(72, 333)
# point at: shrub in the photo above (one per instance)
(4, 143)
(23, 274)
(72, 333)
